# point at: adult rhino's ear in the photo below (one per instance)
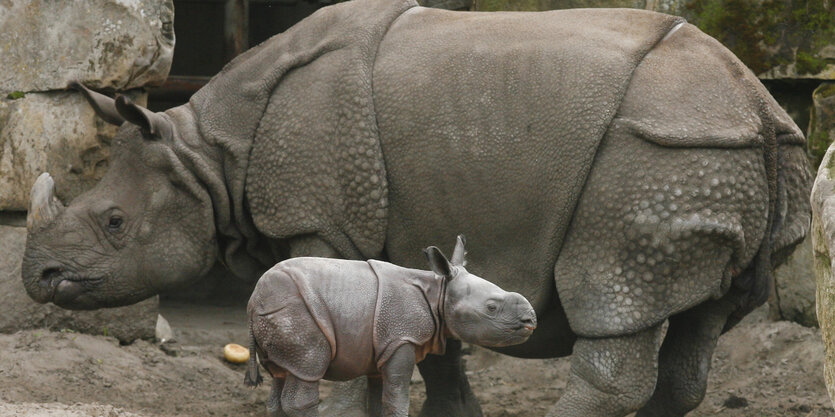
(459, 255)
(147, 120)
(104, 106)
(438, 262)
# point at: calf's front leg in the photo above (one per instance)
(396, 376)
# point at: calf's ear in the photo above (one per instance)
(459, 255)
(438, 262)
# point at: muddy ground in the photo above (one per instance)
(761, 369)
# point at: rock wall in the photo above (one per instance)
(113, 45)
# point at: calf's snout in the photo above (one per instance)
(529, 319)
(526, 313)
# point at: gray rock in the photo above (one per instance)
(19, 312)
(794, 284)
(120, 44)
(823, 244)
(56, 132)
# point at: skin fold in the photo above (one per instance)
(315, 318)
(617, 168)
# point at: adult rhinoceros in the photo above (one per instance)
(618, 168)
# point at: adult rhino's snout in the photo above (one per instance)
(44, 207)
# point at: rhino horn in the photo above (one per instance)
(149, 121)
(104, 106)
(44, 207)
(460, 253)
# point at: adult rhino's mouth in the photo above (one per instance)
(61, 287)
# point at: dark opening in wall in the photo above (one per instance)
(209, 33)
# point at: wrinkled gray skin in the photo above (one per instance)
(618, 168)
(319, 318)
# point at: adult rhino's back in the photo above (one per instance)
(491, 123)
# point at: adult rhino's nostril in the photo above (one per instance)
(49, 275)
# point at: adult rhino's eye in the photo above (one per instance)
(115, 223)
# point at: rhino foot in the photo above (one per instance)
(458, 407)
(347, 399)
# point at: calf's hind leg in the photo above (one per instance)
(300, 398)
(274, 400)
(611, 377)
(684, 361)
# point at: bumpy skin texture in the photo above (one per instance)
(338, 319)
(315, 318)
(615, 167)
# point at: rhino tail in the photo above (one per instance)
(253, 375)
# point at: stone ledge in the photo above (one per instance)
(118, 44)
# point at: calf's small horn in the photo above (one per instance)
(43, 205)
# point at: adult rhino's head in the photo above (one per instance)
(146, 226)
(476, 310)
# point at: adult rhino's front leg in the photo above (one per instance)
(347, 399)
(611, 377)
(448, 392)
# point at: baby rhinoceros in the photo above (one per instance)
(318, 318)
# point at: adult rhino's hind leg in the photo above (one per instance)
(611, 377)
(684, 360)
(448, 392)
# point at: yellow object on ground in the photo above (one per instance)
(235, 353)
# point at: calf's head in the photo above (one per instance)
(146, 226)
(476, 310)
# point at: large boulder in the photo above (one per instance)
(823, 243)
(19, 312)
(57, 132)
(116, 44)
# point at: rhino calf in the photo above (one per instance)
(319, 318)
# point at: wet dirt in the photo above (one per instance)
(760, 368)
